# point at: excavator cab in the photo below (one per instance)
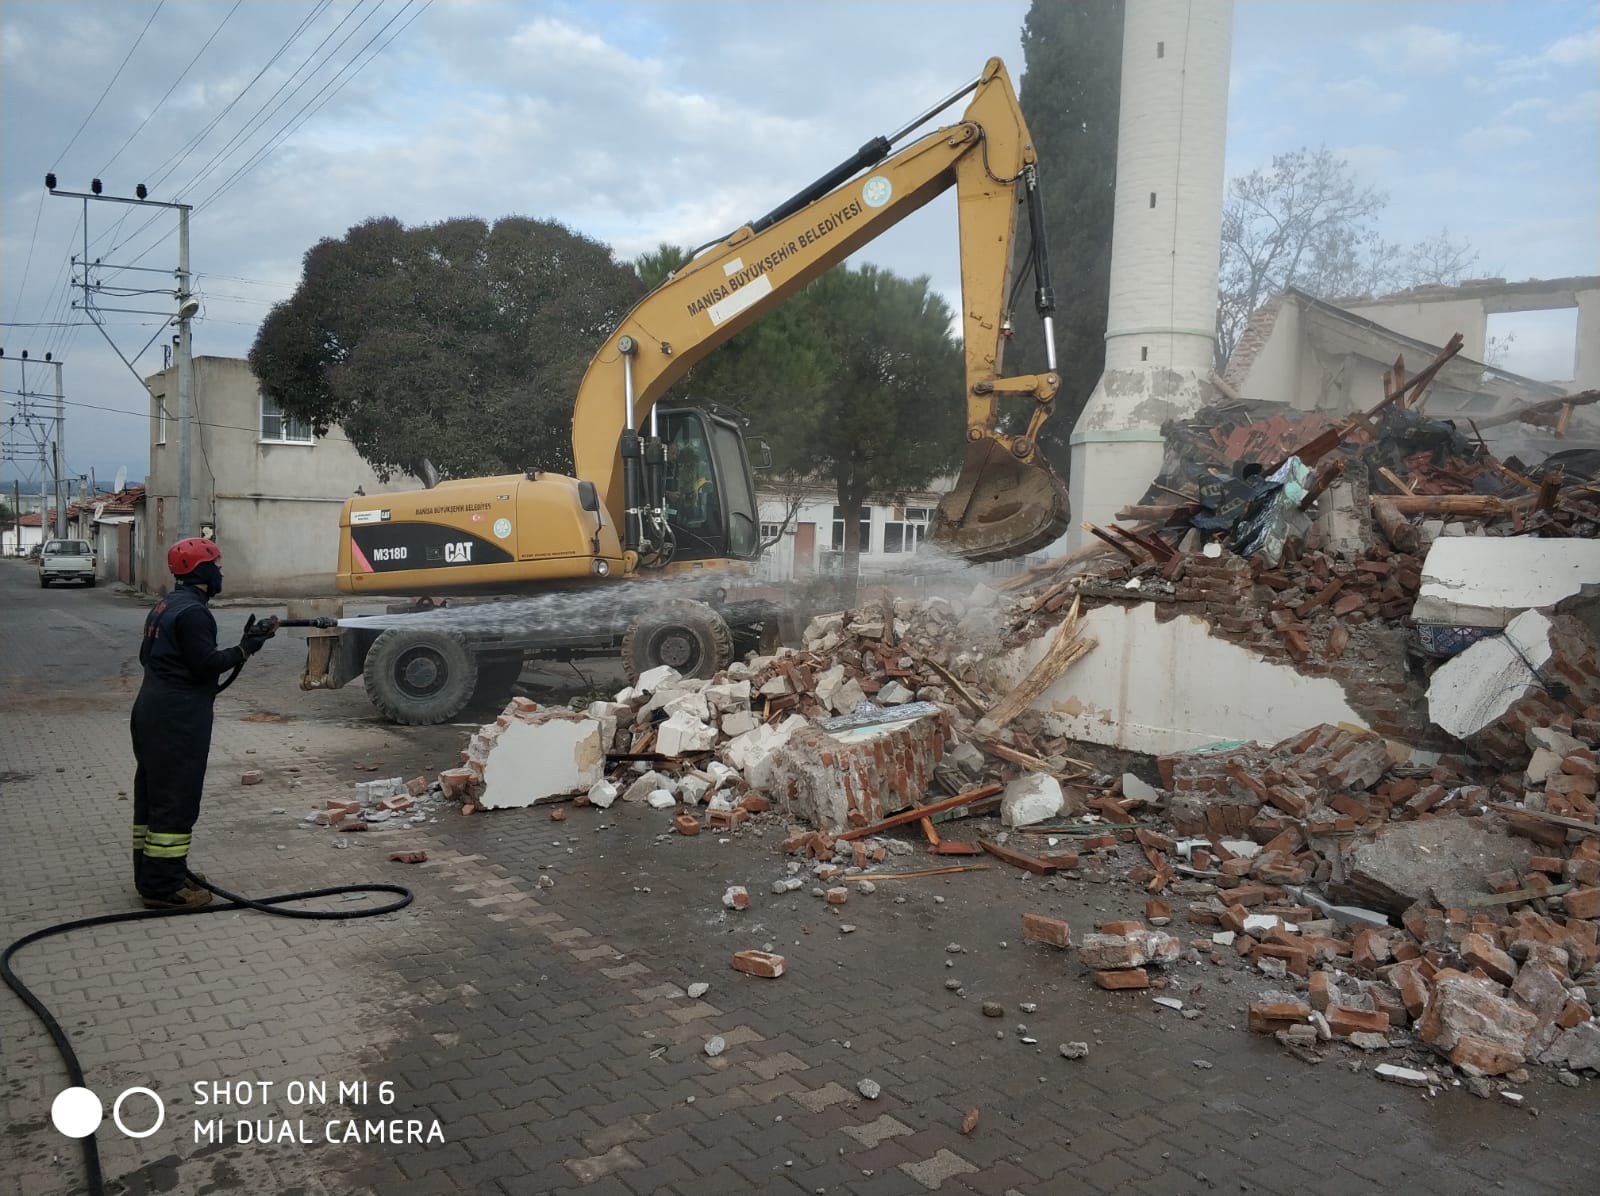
(707, 490)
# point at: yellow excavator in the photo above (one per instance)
(667, 492)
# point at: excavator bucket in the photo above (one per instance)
(1001, 507)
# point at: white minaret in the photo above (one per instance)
(1161, 324)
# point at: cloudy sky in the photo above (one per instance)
(286, 121)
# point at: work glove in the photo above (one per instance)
(256, 633)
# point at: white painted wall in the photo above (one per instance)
(275, 505)
(1166, 687)
(1433, 322)
(1586, 354)
(1161, 320)
(29, 537)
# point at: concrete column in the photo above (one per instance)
(1161, 322)
(1586, 355)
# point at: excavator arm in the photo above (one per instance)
(1007, 500)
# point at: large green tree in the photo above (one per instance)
(1070, 93)
(890, 415)
(461, 343)
(856, 382)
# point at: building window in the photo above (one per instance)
(907, 529)
(770, 532)
(281, 428)
(161, 419)
(838, 529)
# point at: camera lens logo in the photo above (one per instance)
(77, 1112)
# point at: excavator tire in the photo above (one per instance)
(496, 676)
(690, 636)
(418, 678)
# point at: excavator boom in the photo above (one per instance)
(1007, 500)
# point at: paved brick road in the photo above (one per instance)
(547, 1027)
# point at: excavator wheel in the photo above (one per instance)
(690, 636)
(1001, 507)
(418, 678)
(496, 676)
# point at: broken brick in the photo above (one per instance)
(1268, 1017)
(1480, 952)
(1344, 1021)
(1122, 978)
(1038, 928)
(1583, 903)
(758, 963)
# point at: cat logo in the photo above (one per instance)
(458, 553)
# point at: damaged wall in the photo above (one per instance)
(1158, 687)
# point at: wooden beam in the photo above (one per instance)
(1581, 399)
(877, 876)
(950, 679)
(1032, 763)
(1394, 480)
(1100, 535)
(917, 813)
(1064, 649)
(1017, 859)
(1471, 506)
(1572, 824)
(1482, 899)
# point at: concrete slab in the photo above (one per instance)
(1474, 689)
(1030, 799)
(1486, 581)
(541, 758)
(1445, 857)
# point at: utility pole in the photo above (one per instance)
(60, 460)
(188, 308)
(47, 451)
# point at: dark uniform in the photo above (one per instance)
(171, 727)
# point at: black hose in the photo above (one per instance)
(267, 905)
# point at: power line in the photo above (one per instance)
(199, 423)
(297, 121)
(254, 282)
(181, 155)
(181, 76)
(111, 84)
(28, 265)
(262, 115)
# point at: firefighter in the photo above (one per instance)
(171, 722)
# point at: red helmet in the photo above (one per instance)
(186, 556)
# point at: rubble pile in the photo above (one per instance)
(1430, 882)
(1493, 963)
(391, 803)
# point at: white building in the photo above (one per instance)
(263, 485)
(893, 537)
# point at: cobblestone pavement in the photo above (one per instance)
(533, 999)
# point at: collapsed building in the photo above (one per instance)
(1358, 658)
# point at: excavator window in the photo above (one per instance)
(744, 529)
(710, 503)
